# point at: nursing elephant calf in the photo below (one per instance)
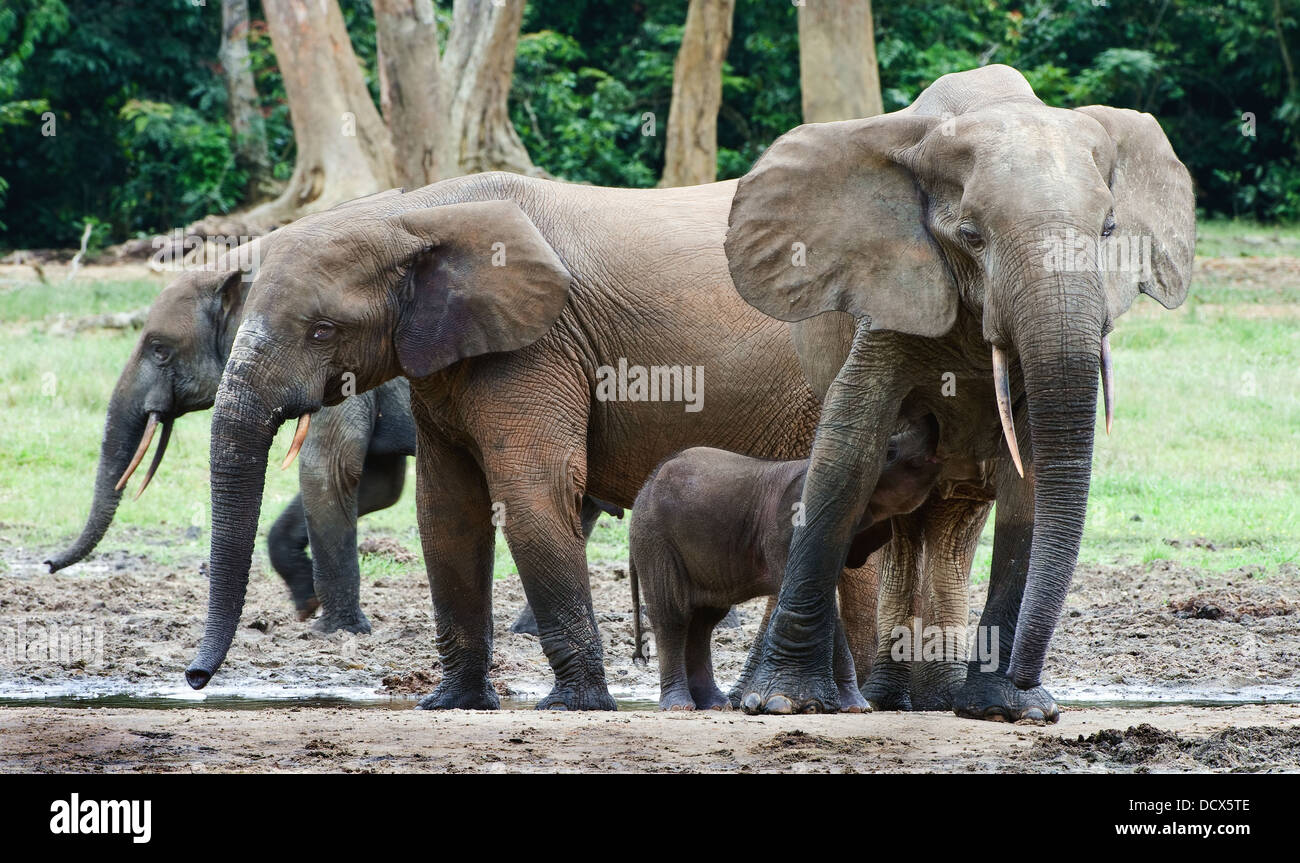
(712, 528)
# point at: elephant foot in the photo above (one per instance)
(791, 689)
(354, 621)
(457, 695)
(526, 623)
(888, 687)
(306, 608)
(675, 699)
(709, 698)
(992, 696)
(592, 696)
(851, 700)
(935, 685)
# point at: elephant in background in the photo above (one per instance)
(353, 460)
(521, 311)
(984, 243)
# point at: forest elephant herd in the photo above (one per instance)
(892, 326)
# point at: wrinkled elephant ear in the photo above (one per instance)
(829, 219)
(229, 291)
(481, 279)
(1154, 204)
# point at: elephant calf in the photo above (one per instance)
(712, 528)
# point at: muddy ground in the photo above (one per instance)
(1122, 638)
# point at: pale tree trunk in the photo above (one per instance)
(837, 61)
(691, 149)
(410, 87)
(344, 149)
(477, 69)
(246, 121)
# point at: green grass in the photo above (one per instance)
(1204, 450)
(1219, 238)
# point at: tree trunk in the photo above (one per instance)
(410, 87)
(246, 121)
(477, 69)
(344, 149)
(837, 61)
(691, 151)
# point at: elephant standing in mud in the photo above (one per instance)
(558, 339)
(985, 244)
(353, 462)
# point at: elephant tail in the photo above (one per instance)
(638, 651)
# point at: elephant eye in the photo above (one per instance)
(161, 353)
(971, 235)
(322, 331)
(1108, 227)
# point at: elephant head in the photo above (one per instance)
(174, 369)
(980, 196)
(341, 305)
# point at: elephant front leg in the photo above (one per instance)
(795, 666)
(526, 622)
(287, 542)
(989, 692)
(456, 531)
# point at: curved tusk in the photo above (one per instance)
(157, 458)
(1002, 386)
(1107, 382)
(304, 423)
(145, 440)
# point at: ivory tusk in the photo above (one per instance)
(157, 458)
(1107, 382)
(1002, 386)
(304, 423)
(145, 440)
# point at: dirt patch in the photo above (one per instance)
(1246, 749)
(1229, 607)
(386, 546)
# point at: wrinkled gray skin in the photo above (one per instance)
(501, 298)
(712, 528)
(353, 461)
(933, 228)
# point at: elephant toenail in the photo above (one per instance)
(779, 704)
(1035, 714)
(752, 703)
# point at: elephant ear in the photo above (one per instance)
(829, 219)
(1153, 202)
(481, 279)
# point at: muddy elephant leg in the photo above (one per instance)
(952, 531)
(846, 677)
(286, 543)
(888, 686)
(859, 596)
(699, 659)
(672, 631)
(330, 474)
(751, 661)
(526, 622)
(455, 515)
(989, 692)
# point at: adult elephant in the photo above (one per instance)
(973, 237)
(353, 461)
(558, 339)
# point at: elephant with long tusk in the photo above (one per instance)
(981, 246)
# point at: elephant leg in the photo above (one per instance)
(859, 596)
(846, 677)
(526, 622)
(751, 661)
(795, 670)
(541, 500)
(456, 531)
(286, 543)
(672, 630)
(888, 686)
(699, 659)
(989, 692)
(332, 465)
(952, 531)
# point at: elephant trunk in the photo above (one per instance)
(242, 430)
(123, 432)
(1059, 356)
